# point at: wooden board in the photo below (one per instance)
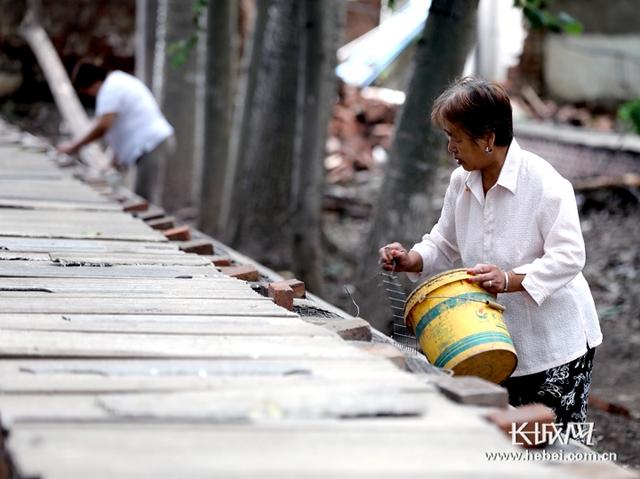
(24, 256)
(226, 291)
(250, 305)
(108, 259)
(94, 231)
(28, 269)
(31, 176)
(50, 190)
(76, 224)
(111, 259)
(47, 245)
(190, 325)
(10, 216)
(289, 398)
(22, 376)
(71, 344)
(15, 157)
(104, 287)
(35, 204)
(381, 448)
(25, 167)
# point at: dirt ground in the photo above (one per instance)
(611, 230)
(613, 271)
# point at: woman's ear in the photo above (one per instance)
(490, 140)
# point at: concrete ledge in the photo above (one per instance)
(578, 136)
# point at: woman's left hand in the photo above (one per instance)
(489, 276)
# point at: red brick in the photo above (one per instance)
(197, 247)
(299, 290)
(152, 213)
(220, 260)
(180, 233)
(532, 416)
(245, 272)
(281, 294)
(162, 223)
(296, 285)
(135, 205)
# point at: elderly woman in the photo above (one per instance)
(511, 214)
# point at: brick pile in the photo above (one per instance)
(360, 131)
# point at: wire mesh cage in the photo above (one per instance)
(397, 298)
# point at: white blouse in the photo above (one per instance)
(527, 222)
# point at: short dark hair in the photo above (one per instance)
(85, 74)
(477, 106)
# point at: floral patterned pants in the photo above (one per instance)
(564, 388)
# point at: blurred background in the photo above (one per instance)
(304, 141)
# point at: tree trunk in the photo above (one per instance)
(178, 93)
(219, 80)
(242, 113)
(265, 209)
(145, 38)
(403, 205)
(321, 33)
(246, 20)
(278, 207)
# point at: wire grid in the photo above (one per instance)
(397, 298)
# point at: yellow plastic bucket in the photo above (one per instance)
(459, 327)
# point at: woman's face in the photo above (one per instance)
(466, 151)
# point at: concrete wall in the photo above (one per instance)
(601, 66)
(613, 17)
(600, 69)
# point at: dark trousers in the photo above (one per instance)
(564, 388)
(150, 170)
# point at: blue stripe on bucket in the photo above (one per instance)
(449, 303)
(467, 343)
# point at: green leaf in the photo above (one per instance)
(180, 51)
(551, 22)
(199, 6)
(569, 24)
(629, 113)
(535, 17)
(535, 11)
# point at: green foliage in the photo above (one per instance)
(180, 51)
(539, 17)
(629, 113)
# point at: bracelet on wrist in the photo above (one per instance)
(506, 282)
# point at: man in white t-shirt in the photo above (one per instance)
(131, 122)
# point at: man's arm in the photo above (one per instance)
(100, 126)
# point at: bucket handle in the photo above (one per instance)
(489, 303)
(496, 306)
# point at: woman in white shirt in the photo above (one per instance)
(512, 220)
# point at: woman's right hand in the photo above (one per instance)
(395, 257)
(67, 148)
